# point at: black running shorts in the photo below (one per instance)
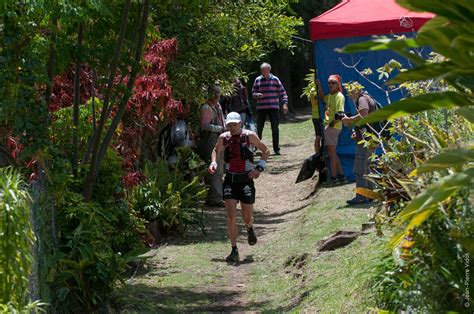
(241, 191)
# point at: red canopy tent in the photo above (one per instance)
(350, 22)
(352, 18)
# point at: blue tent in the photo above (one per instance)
(355, 21)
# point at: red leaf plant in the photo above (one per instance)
(149, 108)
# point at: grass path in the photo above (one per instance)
(283, 271)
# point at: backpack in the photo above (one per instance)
(244, 146)
(380, 127)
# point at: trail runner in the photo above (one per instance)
(240, 173)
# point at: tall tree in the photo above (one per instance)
(216, 39)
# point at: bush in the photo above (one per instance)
(172, 194)
(94, 248)
(62, 131)
(93, 241)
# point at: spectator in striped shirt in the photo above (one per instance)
(269, 93)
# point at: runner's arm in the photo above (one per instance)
(217, 149)
(255, 173)
(259, 144)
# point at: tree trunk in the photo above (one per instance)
(77, 94)
(51, 60)
(95, 140)
(131, 81)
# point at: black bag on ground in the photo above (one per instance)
(310, 165)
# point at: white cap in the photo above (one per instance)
(233, 117)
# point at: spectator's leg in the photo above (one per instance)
(340, 172)
(275, 122)
(361, 167)
(318, 131)
(261, 117)
(216, 182)
(243, 117)
(333, 159)
(331, 136)
(317, 144)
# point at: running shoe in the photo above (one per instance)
(277, 153)
(233, 257)
(251, 236)
(359, 200)
(330, 182)
(342, 180)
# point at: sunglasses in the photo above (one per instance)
(332, 83)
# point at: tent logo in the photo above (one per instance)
(406, 21)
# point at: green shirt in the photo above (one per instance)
(334, 103)
(315, 104)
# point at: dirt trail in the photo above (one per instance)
(278, 200)
(218, 287)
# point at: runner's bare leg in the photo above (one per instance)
(247, 210)
(231, 207)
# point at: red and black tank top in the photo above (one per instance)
(238, 157)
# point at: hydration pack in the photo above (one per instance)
(243, 141)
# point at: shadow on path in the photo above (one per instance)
(175, 299)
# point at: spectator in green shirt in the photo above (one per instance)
(334, 103)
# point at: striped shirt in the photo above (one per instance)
(272, 90)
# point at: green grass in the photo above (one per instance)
(334, 281)
(291, 132)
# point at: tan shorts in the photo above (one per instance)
(331, 135)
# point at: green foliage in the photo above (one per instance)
(91, 242)
(427, 176)
(62, 130)
(95, 244)
(310, 87)
(218, 38)
(22, 70)
(17, 235)
(172, 194)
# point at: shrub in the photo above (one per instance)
(172, 194)
(94, 248)
(92, 242)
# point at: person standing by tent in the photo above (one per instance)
(240, 173)
(334, 104)
(365, 104)
(211, 126)
(269, 93)
(317, 123)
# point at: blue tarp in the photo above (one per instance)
(328, 62)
